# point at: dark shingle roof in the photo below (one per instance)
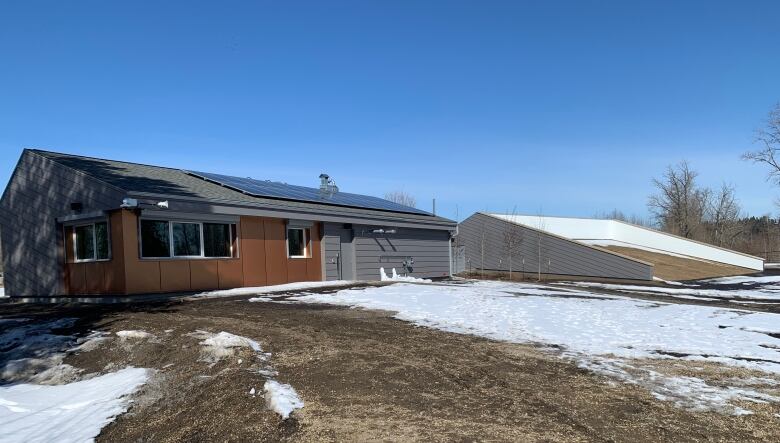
(140, 179)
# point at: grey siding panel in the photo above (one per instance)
(428, 248)
(39, 191)
(331, 245)
(558, 255)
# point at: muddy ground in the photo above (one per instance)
(365, 376)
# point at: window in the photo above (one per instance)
(169, 239)
(91, 242)
(186, 239)
(218, 239)
(155, 239)
(296, 243)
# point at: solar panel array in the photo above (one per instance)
(269, 189)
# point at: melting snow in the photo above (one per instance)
(275, 288)
(597, 331)
(769, 292)
(46, 404)
(133, 334)
(74, 412)
(395, 277)
(281, 398)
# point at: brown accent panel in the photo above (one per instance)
(204, 275)
(296, 269)
(69, 258)
(95, 278)
(314, 262)
(252, 251)
(141, 276)
(115, 269)
(175, 275)
(275, 251)
(77, 279)
(230, 274)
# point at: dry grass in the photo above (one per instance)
(673, 268)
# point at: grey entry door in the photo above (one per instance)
(347, 269)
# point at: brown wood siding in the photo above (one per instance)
(175, 276)
(77, 279)
(205, 275)
(95, 278)
(275, 251)
(231, 274)
(262, 261)
(253, 251)
(115, 273)
(314, 262)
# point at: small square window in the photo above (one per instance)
(297, 243)
(90, 242)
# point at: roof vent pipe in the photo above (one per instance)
(327, 186)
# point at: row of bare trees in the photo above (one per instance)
(682, 207)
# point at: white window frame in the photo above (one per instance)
(94, 242)
(305, 242)
(233, 228)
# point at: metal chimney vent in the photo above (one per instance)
(327, 186)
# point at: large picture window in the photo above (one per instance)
(218, 239)
(179, 239)
(297, 245)
(90, 242)
(186, 239)
(155, 239)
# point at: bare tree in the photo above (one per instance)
(402, 198)
(679, 205)
(768, 138)
(723, 217)
(513, 240)
(616, 214)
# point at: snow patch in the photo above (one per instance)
(744, 280)
(219, 346)
(74, 412)
(771, 292)
(596, 330)
(91, 342)
(281, 398)
(395, 277)
(133, 334)
(2, 292)
(275, 288)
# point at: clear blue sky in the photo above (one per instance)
(569, 108)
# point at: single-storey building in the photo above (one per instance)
(74, 225)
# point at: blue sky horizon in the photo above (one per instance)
(562, 108)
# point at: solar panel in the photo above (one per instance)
(269, 189)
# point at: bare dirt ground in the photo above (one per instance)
(669, 267)
(365, 376)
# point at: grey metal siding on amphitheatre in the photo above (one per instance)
(541, 252)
